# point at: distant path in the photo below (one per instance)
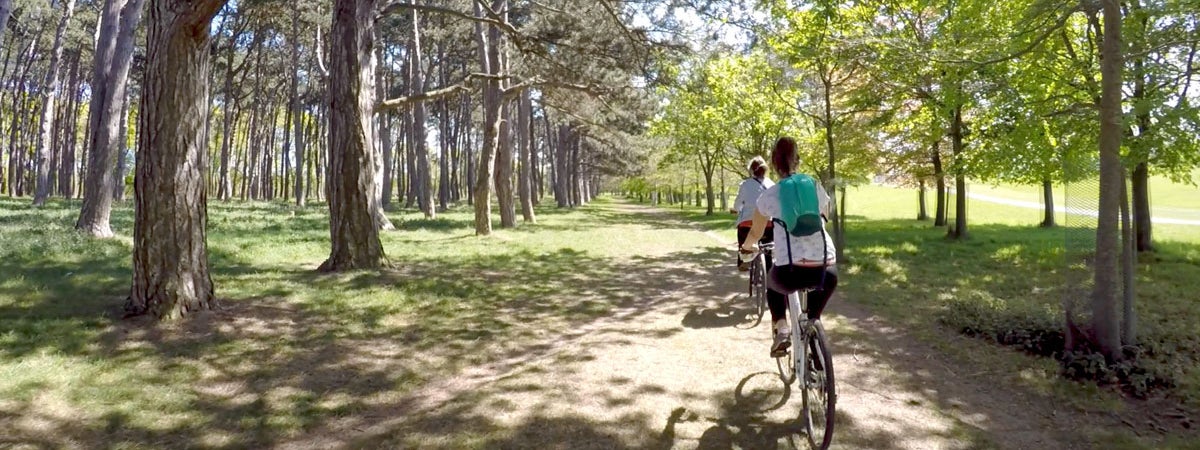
(1074, 211)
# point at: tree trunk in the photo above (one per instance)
(839, 238)
(525, 138)
(1141, 208)
(1106, 330)
(504, 170)
(939, 175)
(412, 185)
(1048, 204)
(504, 154)
(445, 141)
(112, 60)
(445, 136)
(489, 49)
(50, 88)
(250, 160)
(241, 163)
(710, 196)
(225, 183)
(536, 177)
(383, 125)
(960, 177)
(24, 62)
(298, 190)
(560, 166)
(170, 254)
(389, 163)
(422, 175)
(469, 146)
(922, 212)
(573, 170)
(66, 169)
(122, 149)
(354, 232)
(1128, 265)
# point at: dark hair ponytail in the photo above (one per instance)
(783, 156)
(757, 167)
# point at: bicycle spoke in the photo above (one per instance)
(819, 394)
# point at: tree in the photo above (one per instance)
(170, 254)
(1106, 330)
(422, 175)
(692, 123)
(489, 43)
(822, 41)
(1162, 120)
(354, 233)
(114, 54)
(297, 110)
(50, 89)
(525, 142)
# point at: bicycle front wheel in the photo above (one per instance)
(819, 393)
(760, 285)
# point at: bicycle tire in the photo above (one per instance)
(760, 300)
(753, 287)
(819, 394)
(787, 367)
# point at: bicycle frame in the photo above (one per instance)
(797, 311)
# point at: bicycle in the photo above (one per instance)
(809, 354)
(758, 278)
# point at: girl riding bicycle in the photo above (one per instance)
(811, 262)
(746, 200)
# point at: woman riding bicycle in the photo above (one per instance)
(744, 203)
(812, 264)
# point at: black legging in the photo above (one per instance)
(784, 280)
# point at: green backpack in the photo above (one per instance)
(799, 205)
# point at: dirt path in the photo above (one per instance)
(686, 366)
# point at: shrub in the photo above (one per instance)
(1039, 331)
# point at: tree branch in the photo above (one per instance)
(320, 50)
(436, 94)
(492, 19)
(1060, 23)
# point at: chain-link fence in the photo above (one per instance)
(1082, 204)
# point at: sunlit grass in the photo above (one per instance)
(1167, 198)
(291, 348)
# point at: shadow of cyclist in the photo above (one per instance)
(736, 311)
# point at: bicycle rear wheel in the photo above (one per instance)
(819, 393)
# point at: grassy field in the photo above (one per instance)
(291, 349)
(1168, 199)
(1007, 282)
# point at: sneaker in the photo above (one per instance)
(783, 340)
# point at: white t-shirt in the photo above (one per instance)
(747, 197)
(807, 248)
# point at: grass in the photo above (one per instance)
(1168, 199)
(1010, 275)
(292, 349)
